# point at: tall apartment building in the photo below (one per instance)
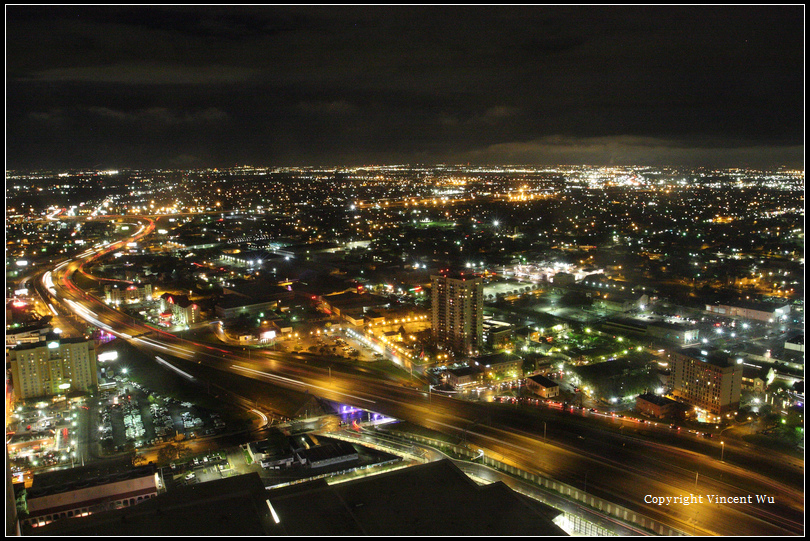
(709, 380)
(53, 367)
(458, 311)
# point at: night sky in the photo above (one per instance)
(169, 87)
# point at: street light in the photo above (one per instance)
(722, 449)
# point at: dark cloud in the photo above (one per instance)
(161, 116)
(270, 85)
(147, 74)
(625, 150)
(338, 107)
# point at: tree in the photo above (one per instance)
(183, 450)
(167, 453)
(22, 502)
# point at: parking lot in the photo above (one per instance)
(131, 416)
(205, 467)
(45, 434)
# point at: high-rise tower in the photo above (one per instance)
(53, 367)
(709, 380)
(458, 311)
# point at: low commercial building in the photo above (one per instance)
(328, 454)
(757, 378)
(497, 334)
(355, 317)
(29, 334)
(183, 310)
(118, 294)
(464, 376)
(500, 365)
(616, 301)
(795, 344)
(412, 320)
(269, 455)
(563, 279)
(249, 258)
(353, 303)
(655, 405)
(234, 306)
(678, 333)
(542, 386)
(55, 497)
(746, 309)
(625, 325)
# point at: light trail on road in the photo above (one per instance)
(297, 382)
(499, 441)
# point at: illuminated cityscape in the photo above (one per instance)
(564, 332)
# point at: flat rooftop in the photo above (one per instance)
(431, 499)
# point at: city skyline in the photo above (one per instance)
(313, 299)
(266, 256)
(174, 87)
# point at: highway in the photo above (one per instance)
(614, 459)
